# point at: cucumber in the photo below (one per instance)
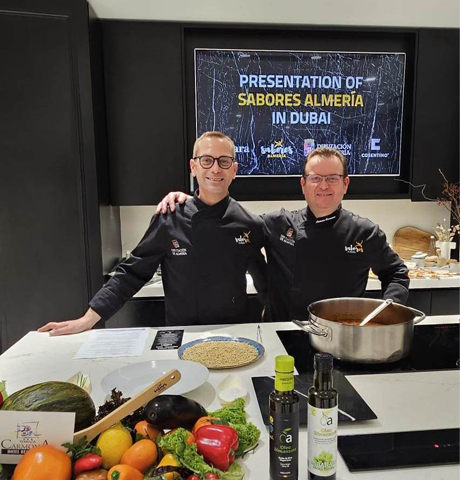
(54, 397)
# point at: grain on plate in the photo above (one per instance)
(215, 354)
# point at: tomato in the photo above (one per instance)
(43, 463)
(210, 476)
(193, 477)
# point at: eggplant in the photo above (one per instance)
(173, 411)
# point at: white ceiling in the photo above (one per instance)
(403, 13)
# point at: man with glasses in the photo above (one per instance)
(204, 247)
(322, 251)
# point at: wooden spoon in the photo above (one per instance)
(139, 400)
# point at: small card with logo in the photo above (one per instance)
(167, 340)
(21, 431)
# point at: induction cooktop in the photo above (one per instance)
(434, 347)
(400, 449)
(352, 406)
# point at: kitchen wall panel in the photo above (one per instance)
(143, 81)
(436, 137)
(50, 228)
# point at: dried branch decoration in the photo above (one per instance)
(450, 198)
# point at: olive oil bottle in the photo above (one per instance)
(322, 421)
(284, 422)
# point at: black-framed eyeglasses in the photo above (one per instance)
(330, 179)
(207, 161)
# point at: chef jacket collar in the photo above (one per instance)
(326, 220)
(217, 209)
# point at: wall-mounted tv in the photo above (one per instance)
(279, 105)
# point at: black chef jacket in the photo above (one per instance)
(311, 259)
(204, 253)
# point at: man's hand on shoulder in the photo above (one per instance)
(170, 202)
(69, 327)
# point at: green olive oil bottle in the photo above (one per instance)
(284, 422)
(322, 421)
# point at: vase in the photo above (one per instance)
(445, 248)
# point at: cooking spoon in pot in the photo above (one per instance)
(375, 312)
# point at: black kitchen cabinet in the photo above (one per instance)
(150, 312)
(143, 82)
(58, 232)
(445, 302)
(420, 300)
(435, 301)
(140, 312)
(436, 120)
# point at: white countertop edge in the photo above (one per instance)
(156, 289)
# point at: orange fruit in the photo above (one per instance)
(43, 463)
(201, 422)
(141, 455)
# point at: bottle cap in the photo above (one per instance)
(284, 364)
(323, 362)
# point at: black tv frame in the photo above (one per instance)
(269, 37)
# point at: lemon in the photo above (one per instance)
(113, 443)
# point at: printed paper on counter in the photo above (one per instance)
(167, 340)
(114, 342)
(21, 431)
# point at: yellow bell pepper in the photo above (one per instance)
(169, 459)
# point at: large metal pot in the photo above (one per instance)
(388, 342)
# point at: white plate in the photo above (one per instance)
(133, 378)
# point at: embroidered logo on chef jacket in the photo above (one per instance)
(288, 237)
(327, 219)
(243, 239)
(357, 248)
(177, 251)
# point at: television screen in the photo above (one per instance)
(277, 106)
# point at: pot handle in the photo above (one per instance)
(419, 315)
(314, 329)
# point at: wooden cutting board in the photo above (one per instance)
(409, 240)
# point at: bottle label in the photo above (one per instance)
(284, 444)
(284, 381)
(322, 440)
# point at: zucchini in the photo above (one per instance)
(54, 397)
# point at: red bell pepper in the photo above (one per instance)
(91, 461)
(217, 444)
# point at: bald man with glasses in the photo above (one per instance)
(323, 251)
(205, 248)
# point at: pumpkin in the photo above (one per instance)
(43, 463)
(54, 397)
